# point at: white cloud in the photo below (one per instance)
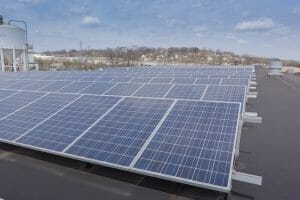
(296, 11)
(242, 41)
(256, 25)
(91, 21)
(230, 36)
(200, 35)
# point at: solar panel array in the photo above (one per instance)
(175, 123)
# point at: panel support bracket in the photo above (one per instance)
(252, 95)
(247, 178)
(253, 83)
(251, 117)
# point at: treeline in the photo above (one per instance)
(123, 56)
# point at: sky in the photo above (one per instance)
(269, 28)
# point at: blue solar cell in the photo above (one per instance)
(89, 78)
(20, 84)
(186, 92)
(6, 93)
(35, 86)
(209, 81)
(200, 76)
(97, 88)
(218, 76)
(121, 79)
(16, 101)
(124, 89)
(161, 80)
(225, 93)
(105, 78)
(23, 120)
(57, 132)
(118, 137)
(75, 87)
(194, 143)
(181, 80)
(5, 84)
(55, 86)
(141, 80)
(153, 90)
(235, 81)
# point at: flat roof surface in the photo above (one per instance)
(270, 149)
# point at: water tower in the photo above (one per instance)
(13, 46)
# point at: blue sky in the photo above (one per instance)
(257, 27)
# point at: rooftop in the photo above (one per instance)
(265, 150)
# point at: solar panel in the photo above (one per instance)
(55, 86)
(173, 128)
(183, 80)
(75, 87)
(97, 88)
(20, 84)
(209, 81)
(23, 120)
(225, 93)
(218, 76)
(16, 101)
(105, 78)
(6, 93)
(57, 132)
(186, 92)
(194, 144)
(121, 79)
(235, 81)
(123, 89)
(35, 86)
(153, 90)
(161, 80)
(141, 79)
(118, 137)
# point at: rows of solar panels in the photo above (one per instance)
(180, 132)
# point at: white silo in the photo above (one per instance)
(13, 47)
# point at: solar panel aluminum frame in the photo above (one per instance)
(66, 155)
(195, 183)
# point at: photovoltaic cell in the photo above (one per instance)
(124, 89)
(105, 78)
(209, 81)
(16, 101)
(55, 86)
(194, 144)
(235, 81)
(183, 80)
(20, 84)
(37, 85)
(153, 90)
(23, 120)
(186, 92)
(97, 88)
(140, 80)
(121, 79)
(225, 93)
(6, 93)
(161, 80)
(218, 76)
(117, 137)
(64, 127)
(75, 87)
